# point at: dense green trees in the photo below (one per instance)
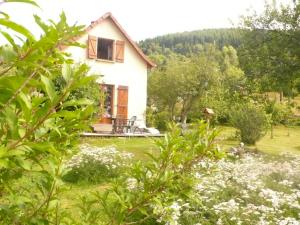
(182, 82)
(186, 85)
(267, 46)
(265, 59)
(188, 43)
(270, 51)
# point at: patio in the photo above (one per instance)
(107, 135)
(122, 128)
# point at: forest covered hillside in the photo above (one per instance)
(190, 41)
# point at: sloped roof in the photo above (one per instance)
(109, 15)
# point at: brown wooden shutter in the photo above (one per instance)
(122, 109)
(120, 46)
(92, 47)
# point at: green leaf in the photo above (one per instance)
(17, 28)
(5, 95)
(26, 100)
(4, 163)
(41, 24)
(14, 152)
(50, 124)
(65, 114)
(25, 164)
(21, 130)
(79, 102)
(8, 54)
(66, 72)
(32, 2)
(25, 103)
(87, 111)
(9, 39)
(49, 87)
(53, 204)
(6, 16)
(43, 147)
(12, 122)
(143, 211)
(3, 152)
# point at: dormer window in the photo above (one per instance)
(106, 49)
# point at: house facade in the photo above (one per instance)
(123, 68)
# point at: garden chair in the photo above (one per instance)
(120, 125)
(131, 127)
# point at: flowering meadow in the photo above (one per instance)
(250, 189)
(94, 164)
(254, 189)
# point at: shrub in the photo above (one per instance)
(94, 164)
(161, 120)
(150, 116)
(280, 113)
(251, 121)
(156, 119)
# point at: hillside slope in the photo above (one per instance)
(187, 42)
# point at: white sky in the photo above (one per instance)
(141, 18)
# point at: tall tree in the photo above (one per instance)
(184, 80)
(271, 49)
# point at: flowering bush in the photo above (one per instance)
(252, 190)
(94, 164)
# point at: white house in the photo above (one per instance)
(123, 66)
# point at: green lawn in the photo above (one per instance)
(285, 140)
(138, 146)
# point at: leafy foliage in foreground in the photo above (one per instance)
(38, 122)
(140, 196)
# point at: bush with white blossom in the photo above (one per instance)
(252, 190)
(94, 164)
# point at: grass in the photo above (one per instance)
(138, 146)
(69, 197)
(284, 140)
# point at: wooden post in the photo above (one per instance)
(208, 113)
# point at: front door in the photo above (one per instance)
(122, 109)
(108, 104)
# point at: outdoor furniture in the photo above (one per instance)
(121, 125)
(131, 124)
